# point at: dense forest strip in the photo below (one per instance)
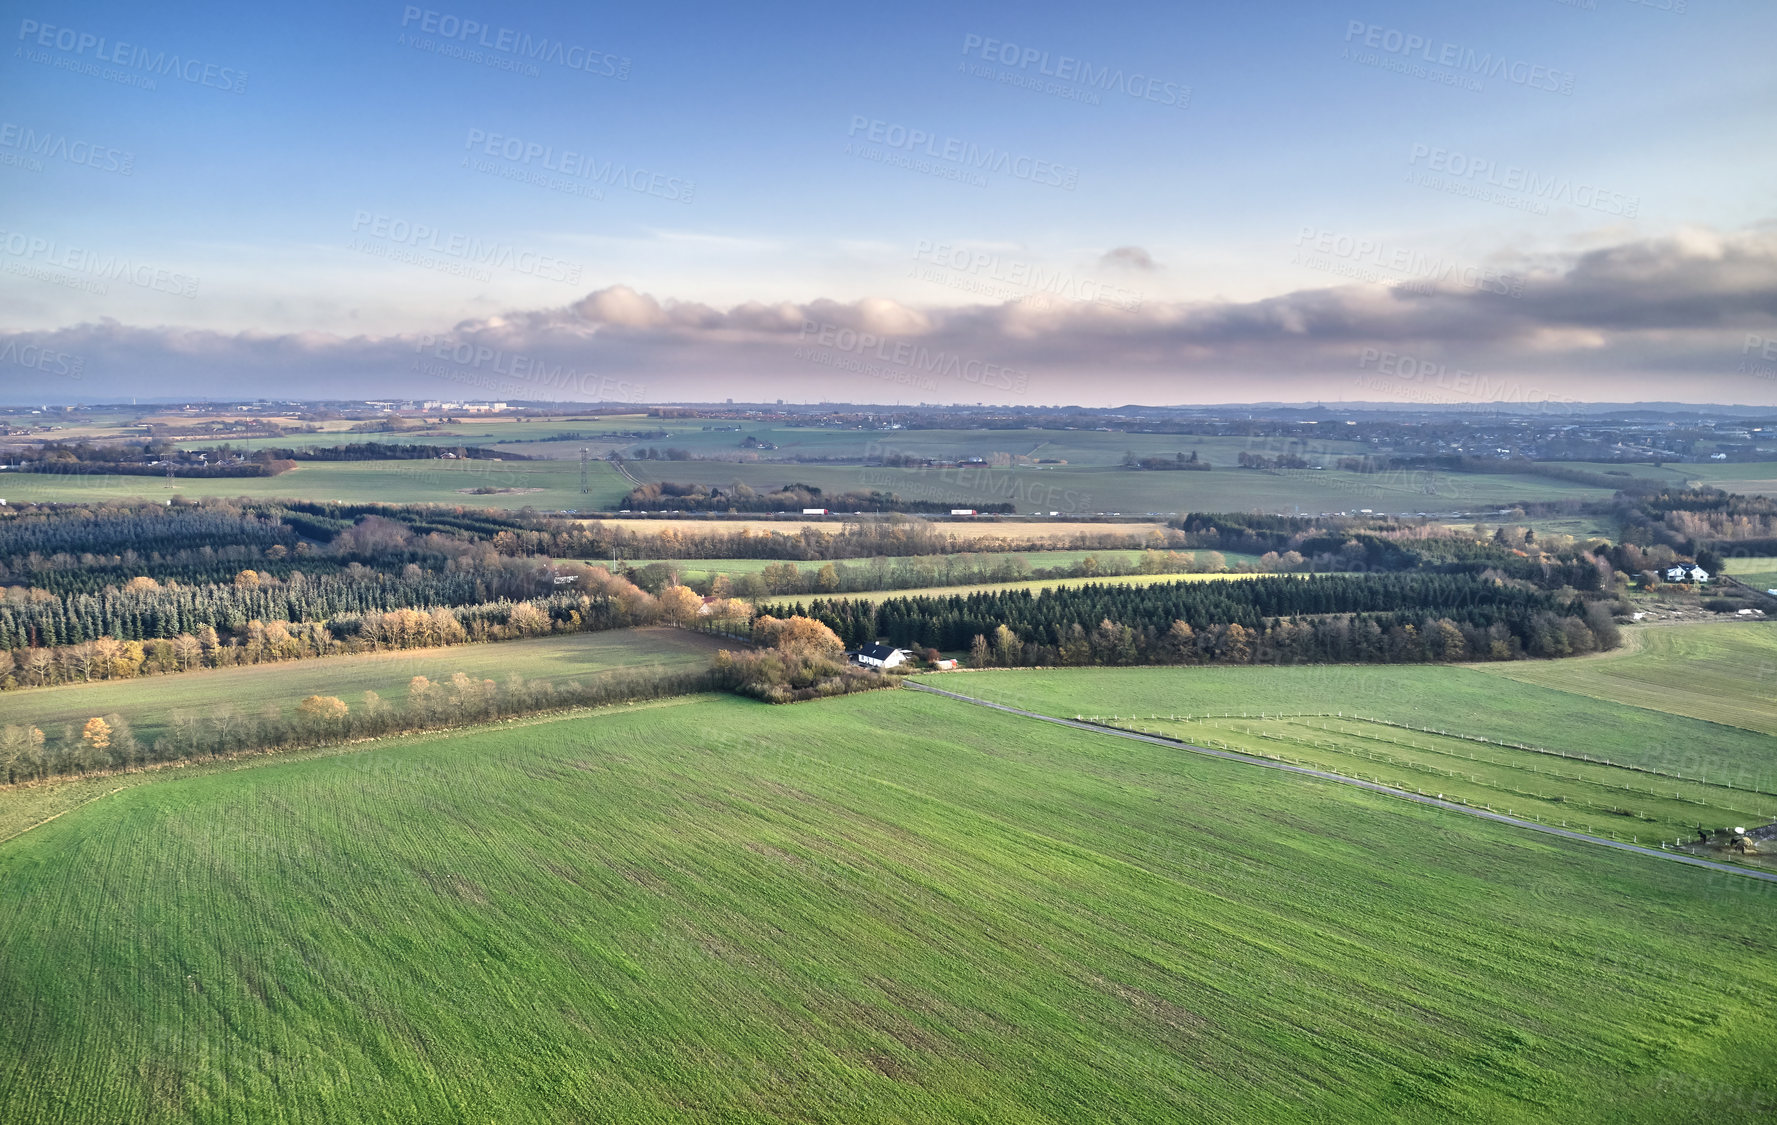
(1313, 619)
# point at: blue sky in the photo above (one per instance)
(265, 230)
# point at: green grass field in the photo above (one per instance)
(1748, 478)
(881, 908)
(545, 485)
(561, 436)
(1077, 489)
(1003, 530)
(1077, 447)
(147, 701)
(1757, 571)
(1722, 671)
(698, 569)
(470, 432)
(1480, 701)
(554, 485)
(1599, 797)
(553, 437)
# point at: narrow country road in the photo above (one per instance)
(1253, 760)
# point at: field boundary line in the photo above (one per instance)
(1386, 790)
(64, 812)
(1494, 742)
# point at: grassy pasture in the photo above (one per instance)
(1076, 447)
(697, 569)
(1746, 486)
(547, 485)
(1757, 478)
(882, 908)
(1757, 571)
(1724, 671)
(147, 701)
(1014, 530)
(1477, 701)
(1672, 474)
(1714, 471)
(469, 432)
(557, 437)
(1598, 797)
(1077, 489)
(707, 568)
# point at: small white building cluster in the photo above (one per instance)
(464, 407)
(881, 656)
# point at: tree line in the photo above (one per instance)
(605, 601)
(54, 545)
(143, 609)
(378, 451)
(670, 496)
(1702, 523)
(1383, 618)
(884, 573)
(108, 742)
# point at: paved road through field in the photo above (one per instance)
(1252, 760)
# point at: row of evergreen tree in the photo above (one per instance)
(143, 609)
(1314, 618)
(264, 642)
(142, 527)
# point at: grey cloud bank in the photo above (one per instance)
(1659, 319)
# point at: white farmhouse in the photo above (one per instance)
(879, 655)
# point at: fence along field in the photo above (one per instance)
(714, 909)
(1597, 795)
(1464, 701)
(1757, 571)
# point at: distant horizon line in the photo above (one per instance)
(637, 407)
